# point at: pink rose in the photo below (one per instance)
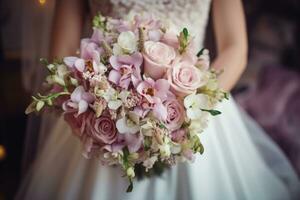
(175, 116)
(157, 58)
(102, 129)
(185, 78)
(77, 123)
(170, 39)
(179, 135)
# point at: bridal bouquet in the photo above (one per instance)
(136, 95)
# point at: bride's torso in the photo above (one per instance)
(192, 14)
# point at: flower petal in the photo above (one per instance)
(69, 61)
(159, 110)
(77, 93)
(113, 60)
(79, 65)
(82, 106)
(114, 105)
(114, 76)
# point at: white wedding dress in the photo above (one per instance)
(239, 162)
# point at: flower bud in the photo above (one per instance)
(130, 172)
(39, 105)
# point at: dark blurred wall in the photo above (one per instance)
(12, 98)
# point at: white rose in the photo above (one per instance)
(127, 41)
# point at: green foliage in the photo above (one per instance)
(200, 52)
(100, 22)
(183, 39)
(147, 143)
(197, 145)
(212, 112)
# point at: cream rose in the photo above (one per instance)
(157, 58)
(127, 41)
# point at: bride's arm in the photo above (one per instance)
(67, 27)
(231, 39)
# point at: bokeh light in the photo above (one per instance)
(2, 152)
(42, 2)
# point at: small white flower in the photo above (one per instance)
(197, 126)
(74, 81)
(59, 75)
(165, 150)
(126, 125)
(117, 50)
(114, 104)
(124, 95)
(58, 79)
(51, 67)
(99, 68)
(175, 148)
(110, 94)
(87, 75)
(149, 162)
(194, 103)
(127, 41)
(61, 70)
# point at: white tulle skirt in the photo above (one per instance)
(239, 162)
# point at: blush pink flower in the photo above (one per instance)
(155, 92)
(80, 100)
(77, 123)
(157, 58)
(102, 129)
(150, 88)
(132, 141)
(176, 114)
(184, 78)
(170, 39)
(179, 135)
(90, 148)
(126, 69)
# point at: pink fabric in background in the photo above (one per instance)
(275, 104)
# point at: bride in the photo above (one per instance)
(240, 161)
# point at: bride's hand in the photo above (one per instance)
(67, 27)
(231, 39)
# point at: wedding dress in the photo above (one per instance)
(239, 162)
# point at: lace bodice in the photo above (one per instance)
(192, 14)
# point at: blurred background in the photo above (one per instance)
(269, 89)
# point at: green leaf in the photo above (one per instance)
(161, 125)
(99, 22)
(147, 143)
(200, 52)
(130, 186)
(185, 33)
(197, 146)
(212, 112)
(44, 61)
(226, 95)
(125, 157)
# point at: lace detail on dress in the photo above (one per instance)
(192, 14)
